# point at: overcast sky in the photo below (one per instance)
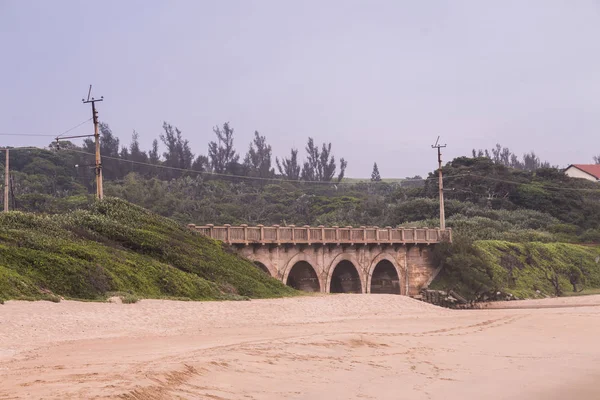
(379, 79)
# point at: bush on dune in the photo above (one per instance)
(495, 270)
(116, 246)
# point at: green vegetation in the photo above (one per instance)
(496, 203)
(498, 270)
(114, 246)
(129, 298)
(584, 292)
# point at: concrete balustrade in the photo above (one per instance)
(245, 234)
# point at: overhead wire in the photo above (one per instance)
(25, 148)
(211, 173)
(282, 180)
(75, 127)
(25, 134)
(45, 134)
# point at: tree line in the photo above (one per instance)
(528, 162)
(222, 157)
(504, 156)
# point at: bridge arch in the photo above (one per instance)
(262, 264)
(302, 267)
(350, 270)
(262, 267)
(385, 264)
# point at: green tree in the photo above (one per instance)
(137, 156)
(153, 156)
(258, 158)
(221, 153)
(375, 177)
(178, 154)
(201, 163)
(343, 165)
(134, 149)
(320, 164)
(312, 169)
(289, 168)
(503, 156)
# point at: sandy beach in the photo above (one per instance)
(318, 347)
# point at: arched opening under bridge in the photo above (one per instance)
(385, 278)
(303, 277)
(345, 278)
(262, 267)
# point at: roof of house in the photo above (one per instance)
(592, 169)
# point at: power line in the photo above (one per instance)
(230, 175)
(319, 182)
(75, 127)
(24, 134)
(282, 180)
(25, 148)
(356, 180)
(44, 134)
(216, 173)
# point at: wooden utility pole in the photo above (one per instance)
(96, 135)
(441, 182)
(6, 182)
(99, 181)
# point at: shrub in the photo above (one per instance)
(129, 298)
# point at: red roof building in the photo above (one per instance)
(590, 172)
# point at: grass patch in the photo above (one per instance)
(51, 297)
(499, 270)
(114, 246)
(584, 292)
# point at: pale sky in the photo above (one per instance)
(379, 79)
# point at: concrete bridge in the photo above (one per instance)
(338, 259)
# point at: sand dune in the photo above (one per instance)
(321, 347)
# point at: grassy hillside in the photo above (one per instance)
(495, 211)
(493, 269)
(116, 246)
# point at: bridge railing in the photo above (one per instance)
(245, 234)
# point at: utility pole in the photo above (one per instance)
(6, 182)
(441, 182)
(99, 182)
(96, 135)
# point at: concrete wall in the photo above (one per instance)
(412, 263)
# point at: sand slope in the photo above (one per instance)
(322, 347)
